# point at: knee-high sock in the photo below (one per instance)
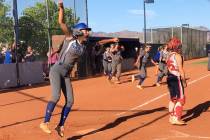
(171, 108)
(159, 78)
(49, 110)
(110, 76)
(64, 115)
(178, 110)
(141, 80)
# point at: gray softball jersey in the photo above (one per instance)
(71, 52)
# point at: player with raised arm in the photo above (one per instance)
(72, 49)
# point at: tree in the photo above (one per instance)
(34, 27)
(6, 24)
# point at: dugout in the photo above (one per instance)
(91, 64)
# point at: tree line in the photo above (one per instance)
(33, 25)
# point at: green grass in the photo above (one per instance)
(205, 62)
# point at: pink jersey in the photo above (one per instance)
(172, 64)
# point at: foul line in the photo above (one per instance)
(146, 103)
(156, 98)
(177, 134)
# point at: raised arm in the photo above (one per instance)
(61, 21)
(105, 41)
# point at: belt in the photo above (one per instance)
(67, 66)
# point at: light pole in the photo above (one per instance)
(75, 16)
(86, 4)
(145, 28)
(184, 25)
(48, 31)
(16, 34)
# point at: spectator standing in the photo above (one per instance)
(29, 57)
(7, 55)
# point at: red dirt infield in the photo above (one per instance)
(104, 111)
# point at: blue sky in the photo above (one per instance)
(118, 15)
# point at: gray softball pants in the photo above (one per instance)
(60, 80)
(116, 68)
(142, 75)
(163, 71)
(107, 67)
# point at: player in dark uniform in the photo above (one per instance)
(176, 81)
(143, 58)
(107, 62)
(72, 49)
(116, 62)
(156, 59)
(162, 65)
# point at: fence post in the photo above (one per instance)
(16, 34)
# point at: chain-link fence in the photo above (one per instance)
(193, 40)
(208, 36)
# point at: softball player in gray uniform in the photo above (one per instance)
(73, 47)
(143, 59)
(116, 62)
(107, 61)
(162, 65)
(71, 50)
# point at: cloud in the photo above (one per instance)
(149, 13)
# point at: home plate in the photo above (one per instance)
(82, 132)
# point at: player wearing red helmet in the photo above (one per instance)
(176, 81)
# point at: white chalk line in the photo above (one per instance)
(146, 103)
(157, 98)
(177, 134)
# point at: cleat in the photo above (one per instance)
(173, 120)
(132, 78)
(60, 130)
(45, 128)
(114, 78)
(117, 81)
(139, 87)
(179, 122)
(157, 84)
